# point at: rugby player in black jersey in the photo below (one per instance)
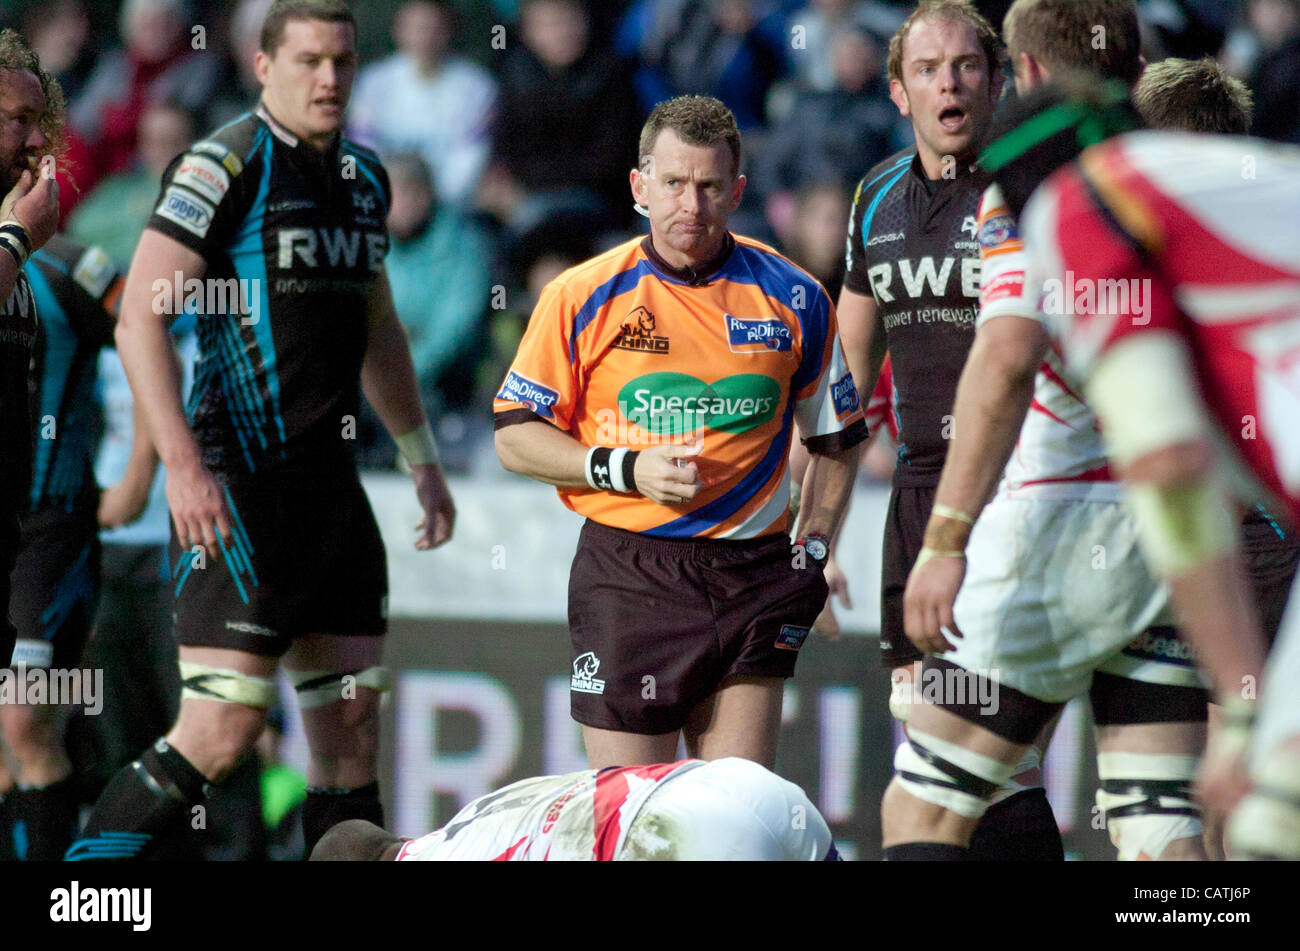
(276, 552)
(55, 579)
(912, 287)
(31, 127)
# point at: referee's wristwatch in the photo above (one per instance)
(817, 547)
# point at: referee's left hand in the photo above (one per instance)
(439, 510)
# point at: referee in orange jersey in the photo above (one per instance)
(657, 387)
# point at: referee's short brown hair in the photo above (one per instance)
(1194, 95)
(951, 11)
(1102, 36)
(697, 120)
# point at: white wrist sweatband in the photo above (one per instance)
(418, 447)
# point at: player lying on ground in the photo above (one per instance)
(726, 809)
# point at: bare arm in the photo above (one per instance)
(388, 380)
(146, 349)
(827, 487)
(540, 451)
(196, 500)
(993, 396)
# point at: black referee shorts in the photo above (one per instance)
(657, 624)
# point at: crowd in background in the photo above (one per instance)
(508, 128)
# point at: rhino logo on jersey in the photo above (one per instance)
(584, 674)
(637, 333)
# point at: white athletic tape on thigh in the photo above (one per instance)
(316, 688)
(201, 682)
(1031, 759)
(1267, 822)
(1149, 804)
(931, 782)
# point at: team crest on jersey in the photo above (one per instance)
(997, 231)
(584, 679)
(519, 389)
(968, 224)
(757, 336)
(637, 333)
(791, 637)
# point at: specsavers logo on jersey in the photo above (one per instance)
(668, 404)
(757, 336)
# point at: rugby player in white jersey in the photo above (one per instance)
(1047, 595)
(725, 809)
(1198, 392)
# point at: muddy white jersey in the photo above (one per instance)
(583, 816)
(726, 809)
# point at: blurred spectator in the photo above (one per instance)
(240, 91)
(829, 134)
(440, 267)
(818, 25)
(59, 32)
(427, 100)
(157, 62)
(114, 214)
(816, 242)
(719, 48)
(566, 119)
(1276, 78)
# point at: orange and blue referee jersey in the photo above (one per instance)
(626, 351)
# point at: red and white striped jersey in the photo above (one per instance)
(1059, 453)
(1194, 236)
(725, 809)
(583, 816)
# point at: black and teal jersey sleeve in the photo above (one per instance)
(292, 238)
(76, 289)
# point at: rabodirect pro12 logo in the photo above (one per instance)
(519, 389)
(668, 404)
(757, 336)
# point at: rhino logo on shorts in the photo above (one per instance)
(584, 674)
